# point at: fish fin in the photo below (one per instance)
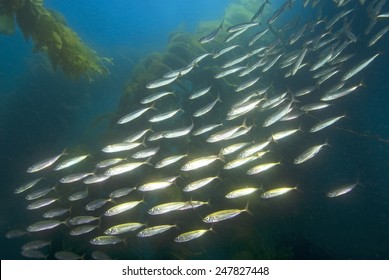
(326, 143)
(246, 209)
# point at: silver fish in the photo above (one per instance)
(247, 84)
(225, 50)
(70, 162)
(233, 148)
(123, 168)
(161, 82)
(299, 61)
(93, 179)
(169, 160)
(153, 97)
(105, 240)
(196, 60)
(164, 116)
(83, 229)
(332, 95)
(199, 184)
(207, 108)
(109, 162)
(118, 209)
(236, 60)
(199, 93)
(314, 106)
(39, 193)
(242, 109)
(309, 153)
(193, 204)
(241, 192)
(199, 162)
(44, 225)
(146, 153)
(120, 147)
(277, 192)
(225, 133)
(56, 212)
(229, 72)
(222, 215)
(35, 245)
(234, 35)
(239, 162)
(80, 220)
(134, 115)
(282, 134)
(206, 129)
(123, 228)
(257, 36)
(41, 203)
(96, 204)
(121, 192)
(166, 208)
(179, 132)
(44, 163)
(241, 26)
(74, 177)
(137, 135)
(325, 123)
(150, 231)
(356, 69)
(342, 190)
(378, 36)
(255, 148)
(27, 186)
(277, 115)
(78, 195)
(33, 254)
(261, 167)
(190, 235)
(211, 36)
(156, 185)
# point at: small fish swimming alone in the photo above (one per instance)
(342, 189)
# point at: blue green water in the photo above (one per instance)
(42, 112)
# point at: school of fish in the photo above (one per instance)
(183, 147)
